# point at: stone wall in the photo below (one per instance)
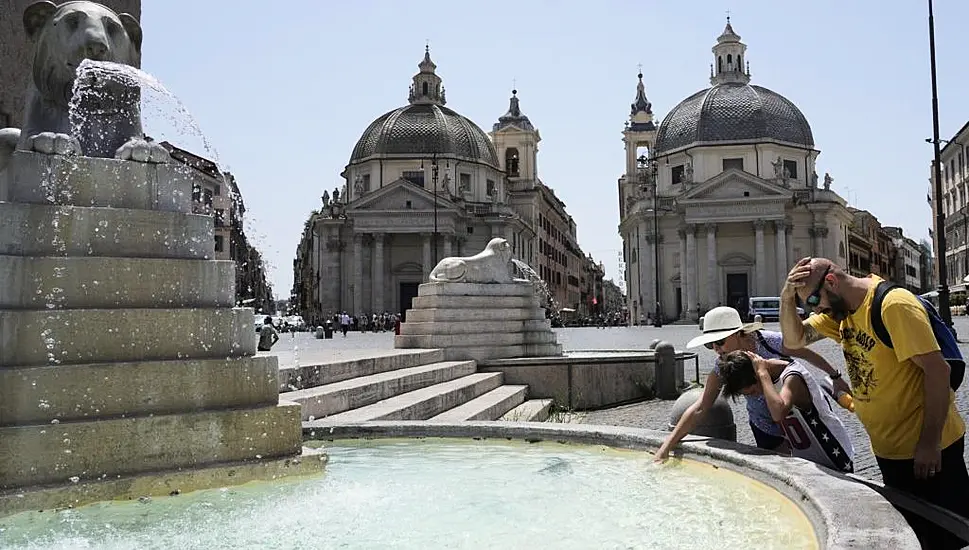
(15, 53)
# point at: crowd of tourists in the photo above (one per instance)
(903, 364)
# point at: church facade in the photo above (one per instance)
(422, 183)
(719, 200)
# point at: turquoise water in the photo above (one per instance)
(420, 494)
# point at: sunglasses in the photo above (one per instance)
(815, 298)
(719, 342)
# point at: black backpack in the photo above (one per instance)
(943, 334)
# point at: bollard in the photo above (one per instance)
(758, 318)
(700, 322)
(717, 422)
(653, 344)
(664, 361)
(319, 333)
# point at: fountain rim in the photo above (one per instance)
(844, 512)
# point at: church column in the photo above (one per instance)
(780, 239)
(789, 230)
(357, 274)
(426, 255)
(820, 233)
(691, 288)
(378, 273)
(713, 282)
(447, 246)
(684, 274)
(760, 261)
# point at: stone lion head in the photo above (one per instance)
(500, 248)
(67, 34)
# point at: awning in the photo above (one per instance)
(567, 310)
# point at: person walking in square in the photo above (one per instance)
(902, 390)
(725, 332)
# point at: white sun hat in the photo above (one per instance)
(720, 322)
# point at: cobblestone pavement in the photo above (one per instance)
(652, 414)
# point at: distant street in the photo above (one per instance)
(304, 348)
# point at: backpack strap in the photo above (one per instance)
(768, 347)
(875, 315)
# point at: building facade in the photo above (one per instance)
(721, 198)
(955, 198)
(424, 183)
(15, 51)
(908, 260)
(216, 194)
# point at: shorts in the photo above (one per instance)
(766, 440)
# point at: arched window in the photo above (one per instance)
(424, 88)
(511, 162)
(841, 249)
(729, 61)
(740, 63)
(719, 64)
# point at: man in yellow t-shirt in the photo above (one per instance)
(902, 394)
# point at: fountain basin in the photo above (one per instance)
(508, 485)
(587, 379)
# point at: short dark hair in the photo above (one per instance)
(736, 373)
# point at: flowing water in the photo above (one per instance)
(541, 287)
(447, 494)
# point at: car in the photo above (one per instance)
(768, 307)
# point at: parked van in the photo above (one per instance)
(768, 307)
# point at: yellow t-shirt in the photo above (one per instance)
(887, 385)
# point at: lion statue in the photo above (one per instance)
(63, 37)
(491, 265)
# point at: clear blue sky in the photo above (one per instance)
(284, 92)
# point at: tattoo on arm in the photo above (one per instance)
(811, 335)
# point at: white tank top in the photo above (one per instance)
(816, 434)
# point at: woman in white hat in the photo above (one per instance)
(724, 332)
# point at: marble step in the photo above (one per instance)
(39, 395)
(448, 341)
(489, 406)
(44, 230)
(309, 376)
(93, 449)
(532, 410)
(439, 315)
(330, 399)
(70, 283)
(485, 353)
(87, 181)
(76, 336)
(419, 404)
(476, 289)
(475, 326)
(473, 303)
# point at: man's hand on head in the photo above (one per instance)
(796, 278)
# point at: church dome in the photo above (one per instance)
(732, 112)
(422, 129)
(425, 126)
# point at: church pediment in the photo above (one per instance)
(401, 195)
(736, 185)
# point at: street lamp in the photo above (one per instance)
(647, 177)
(937, 172)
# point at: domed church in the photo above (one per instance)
(422, 183)
(724, 194)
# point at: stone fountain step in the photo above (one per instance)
(476, 289)
(35, 283)
(467, 303)
(310, 376)
(439, 315)
(489, 406)
(533, 410)
(73, 336)
(419, 404)
(475, 326)
(484, 353)
(342, 396)
(38, 395)
(55, 453)
(44, 230)
(77, 180)
(480, 338)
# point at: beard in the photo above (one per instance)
(839, 310)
